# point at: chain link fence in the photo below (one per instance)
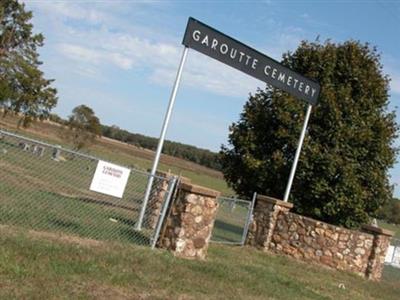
(232, 221)
(46, 187)
(393, 253)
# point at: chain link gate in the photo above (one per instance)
(232, 221)
(393, 255)
(46, 187)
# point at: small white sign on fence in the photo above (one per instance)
(110, 179)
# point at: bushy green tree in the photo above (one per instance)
(342, 175)
(23, 88)
(83, 127)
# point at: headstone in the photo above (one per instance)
(40, 151)
(56, 154)
(24, 146)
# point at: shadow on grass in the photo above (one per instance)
(95, 201)
(133, 236)
(129, 222)
(71, 226)
(226, 232)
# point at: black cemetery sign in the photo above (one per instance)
(227, 50)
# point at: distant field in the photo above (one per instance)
(125, 154)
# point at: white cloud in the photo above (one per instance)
(69, 10)
(80, 53)
(108, 44)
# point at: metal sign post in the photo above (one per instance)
(231, 52)
(162, 138)
(296, 157)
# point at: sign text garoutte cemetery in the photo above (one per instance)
(225, 49)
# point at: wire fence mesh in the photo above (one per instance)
(393, 253)
(231, 223)
(46, 187)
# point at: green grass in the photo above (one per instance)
(40, 193)
(392, 227)
(37, 266)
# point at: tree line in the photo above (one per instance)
(200, 156)
(191, 153)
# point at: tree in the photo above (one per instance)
(342, 175)
(390, 212)
(83, 126)
(23, 88)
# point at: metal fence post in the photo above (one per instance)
(249, 218)
(163, 211)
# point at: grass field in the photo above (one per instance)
(56, 261)
(41, 193)
(124, 154)
(36, 265)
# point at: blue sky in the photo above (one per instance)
(121, 57)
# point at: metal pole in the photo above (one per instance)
(296, 157)
(249, 217)
(162, 138)
(163, 211)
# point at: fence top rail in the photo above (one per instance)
(87, 156)
(235, 200)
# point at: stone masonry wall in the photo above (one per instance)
(266, 211)
(157, 198)
(311, 240)
(380, 246)
(275, 229)
(189, 225)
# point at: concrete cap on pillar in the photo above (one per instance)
(274, 201)
(196, 189)
(377, 230)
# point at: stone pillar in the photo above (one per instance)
(189, 225)
(266, 211)
(379, 248)
(156, 199)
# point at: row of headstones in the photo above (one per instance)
(36, 149)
